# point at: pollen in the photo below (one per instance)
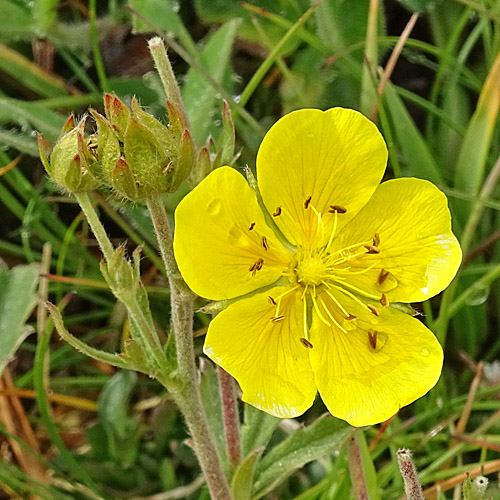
(277, 212)
(252, 225)
(337, 209)
(256, 266)
(264, 243)
(306, 343)
(308, 200)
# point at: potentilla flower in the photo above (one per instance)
(311, 265)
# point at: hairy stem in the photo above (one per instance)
(164, 68)
(95, 224)
(189, 398)
(231, 420)
(358, 481)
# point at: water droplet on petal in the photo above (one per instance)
(376, 340)
(374, 321)
(349, 325)
(425, 352)
(389, 283)
(214, 207)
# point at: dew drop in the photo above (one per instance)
(479, 295)
(374, 321)
(214, 207)
(420, 236)
(425, 352)
(237, 237)
(345, 254)
(376, 340)
(349, 325)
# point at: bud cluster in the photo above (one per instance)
(132, 153)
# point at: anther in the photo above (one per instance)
(265, 244)
(252, 225)
(351, 317)
(271, 300)
(373, 309)
(376, 240)
(337, 208)
(382, 276)
(306, 343)
(277, 212)
(256, 266)
(308, 200)
(372, 338)
(372, 249)
(276, 319)
(384, 300)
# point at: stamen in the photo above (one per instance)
(272, 301)
(361, 292)
(334, 230)
(308, 200)
(349, 294)
(276, 319)
(351, 317)
(306, 343)
(319, 222)
(265, 244)
(334, 321)
(256, 266)
(376, 240)
(337, 303)
(373, 309)
(372, 338)
(372, 249)
(384, 300)
(277, 212)
(348, 271)
(306, 331)
(252, 225)
(382, 276)
(316, 308)
(337, 209)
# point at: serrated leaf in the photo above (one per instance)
(241, 484)
(17, 300)
(199, 95)
(323, 437)
(257, 429)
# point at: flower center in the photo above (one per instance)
(311, 270)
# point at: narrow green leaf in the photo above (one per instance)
(368, 468)
(105, 357)
(211, 399)
(475, 146)
(257, 429)
(199, 95)
(29, 74)
(415, 150)
(326, 435)
(17, 300)
(241, 485)
(21, 141)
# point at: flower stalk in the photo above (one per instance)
(356, 470)
(413, 489)
(189, 398)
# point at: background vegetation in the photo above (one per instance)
(427, 71)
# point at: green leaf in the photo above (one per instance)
(257, 429)
(323, 437)
(210, 396)
(17, 300)
(415, 150)
(122, 430)
(200, 98)
(241, 485)
(21, 141)
(29, 74)
(16, 21)
(28, 114)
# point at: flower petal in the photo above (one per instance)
(265, 357)
(417, 247)
(365, 375)
(222, 244)
(332, 158)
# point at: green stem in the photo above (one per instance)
(94, 40)
(189, 398)
(164, 68)
(95, 224)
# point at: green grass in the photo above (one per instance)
(438, 115)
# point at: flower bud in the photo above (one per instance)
(123, 276)
(68, 163)
(137, 156)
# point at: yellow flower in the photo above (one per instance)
(310, 271)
